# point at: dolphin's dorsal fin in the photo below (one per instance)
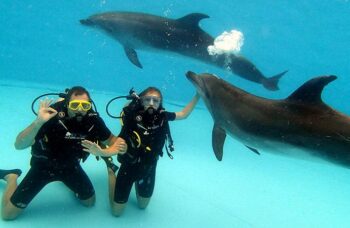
(310, 91)
(132, 56)
(218, 140)
(193, 19)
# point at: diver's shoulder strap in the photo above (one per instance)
(59, 105)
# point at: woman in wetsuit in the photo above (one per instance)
(145, 130)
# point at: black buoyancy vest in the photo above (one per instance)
(146, 134)
(60, 137)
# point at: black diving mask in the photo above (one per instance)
(150, 100)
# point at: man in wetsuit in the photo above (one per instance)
(55, 139)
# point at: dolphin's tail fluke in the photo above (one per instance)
(272, 83)
(86, 22)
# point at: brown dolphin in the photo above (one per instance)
(301, 124)
(183, 36)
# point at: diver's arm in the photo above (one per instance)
(115, 145)
(26, 137)
(188, 109)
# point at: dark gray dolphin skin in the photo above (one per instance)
(183, 36)
(301, 125)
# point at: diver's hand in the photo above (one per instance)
(121, 145)
(45, 111)
(92, 148)
(118, 147)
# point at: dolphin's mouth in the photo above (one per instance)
(201, 86)
(198, 82)
(195, 79)
(191, 76)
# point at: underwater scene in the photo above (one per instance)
(261, 89)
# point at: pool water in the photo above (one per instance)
(45, 49)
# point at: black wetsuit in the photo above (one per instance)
(139, 164)
(56, 155)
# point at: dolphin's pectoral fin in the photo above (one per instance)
(132, 56)
(310, 91)
(253, 149)
(218, 140)
(192, 19)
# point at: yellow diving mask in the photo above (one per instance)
(76, 104)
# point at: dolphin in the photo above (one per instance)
(183, 36)
(301, 125)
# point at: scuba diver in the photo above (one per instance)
(55, 138)
(145, 129)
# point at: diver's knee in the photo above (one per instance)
(143, 202)
(117, 213)
(10, 212)
(142, 206)
(90, 202)
(8, 217)
(118, 209)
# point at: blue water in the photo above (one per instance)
(44, 48)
